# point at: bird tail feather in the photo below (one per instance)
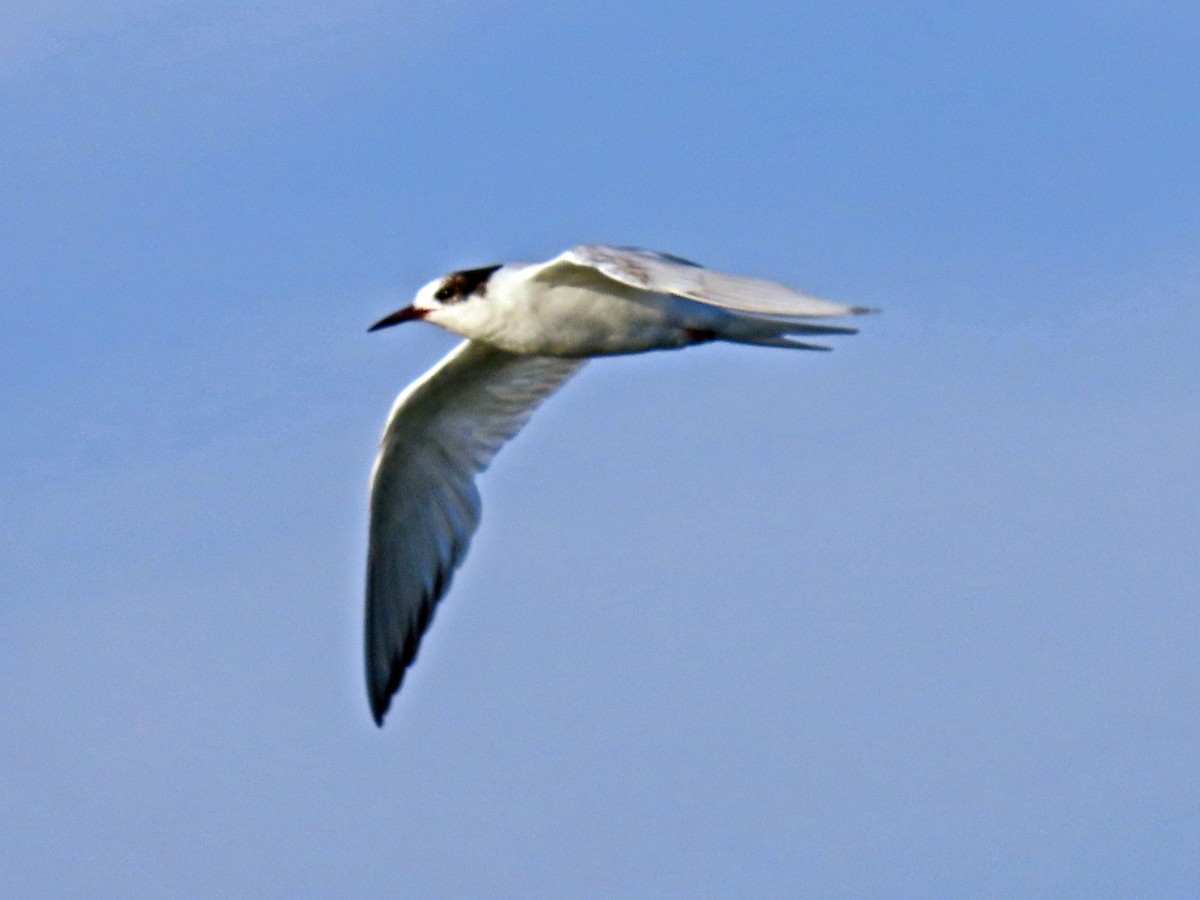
(772, 332)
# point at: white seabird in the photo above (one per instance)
(528, 328)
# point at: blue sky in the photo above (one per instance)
(916, 618)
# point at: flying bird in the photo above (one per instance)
(528, 328)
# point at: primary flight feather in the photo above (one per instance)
(528, 328)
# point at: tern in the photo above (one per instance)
(528, 328)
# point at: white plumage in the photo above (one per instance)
(529, 327)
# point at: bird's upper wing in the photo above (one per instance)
(668, 274)
(443, 430)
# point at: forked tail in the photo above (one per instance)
(769, 332)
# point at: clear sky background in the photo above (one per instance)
(918, 618)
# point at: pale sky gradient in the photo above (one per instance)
(917, 618)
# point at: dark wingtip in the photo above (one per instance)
(865, 310)
(381, 701)
(381, 692)
(379, 707)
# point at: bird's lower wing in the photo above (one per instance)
(443, 430)
(667, 274)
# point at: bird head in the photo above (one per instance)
(447, 301)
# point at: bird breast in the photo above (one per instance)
(576, 321)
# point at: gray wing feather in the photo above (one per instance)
(667, 274)
(443, 430)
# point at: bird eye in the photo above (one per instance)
(444, 293)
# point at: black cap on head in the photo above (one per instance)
(459, 286)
